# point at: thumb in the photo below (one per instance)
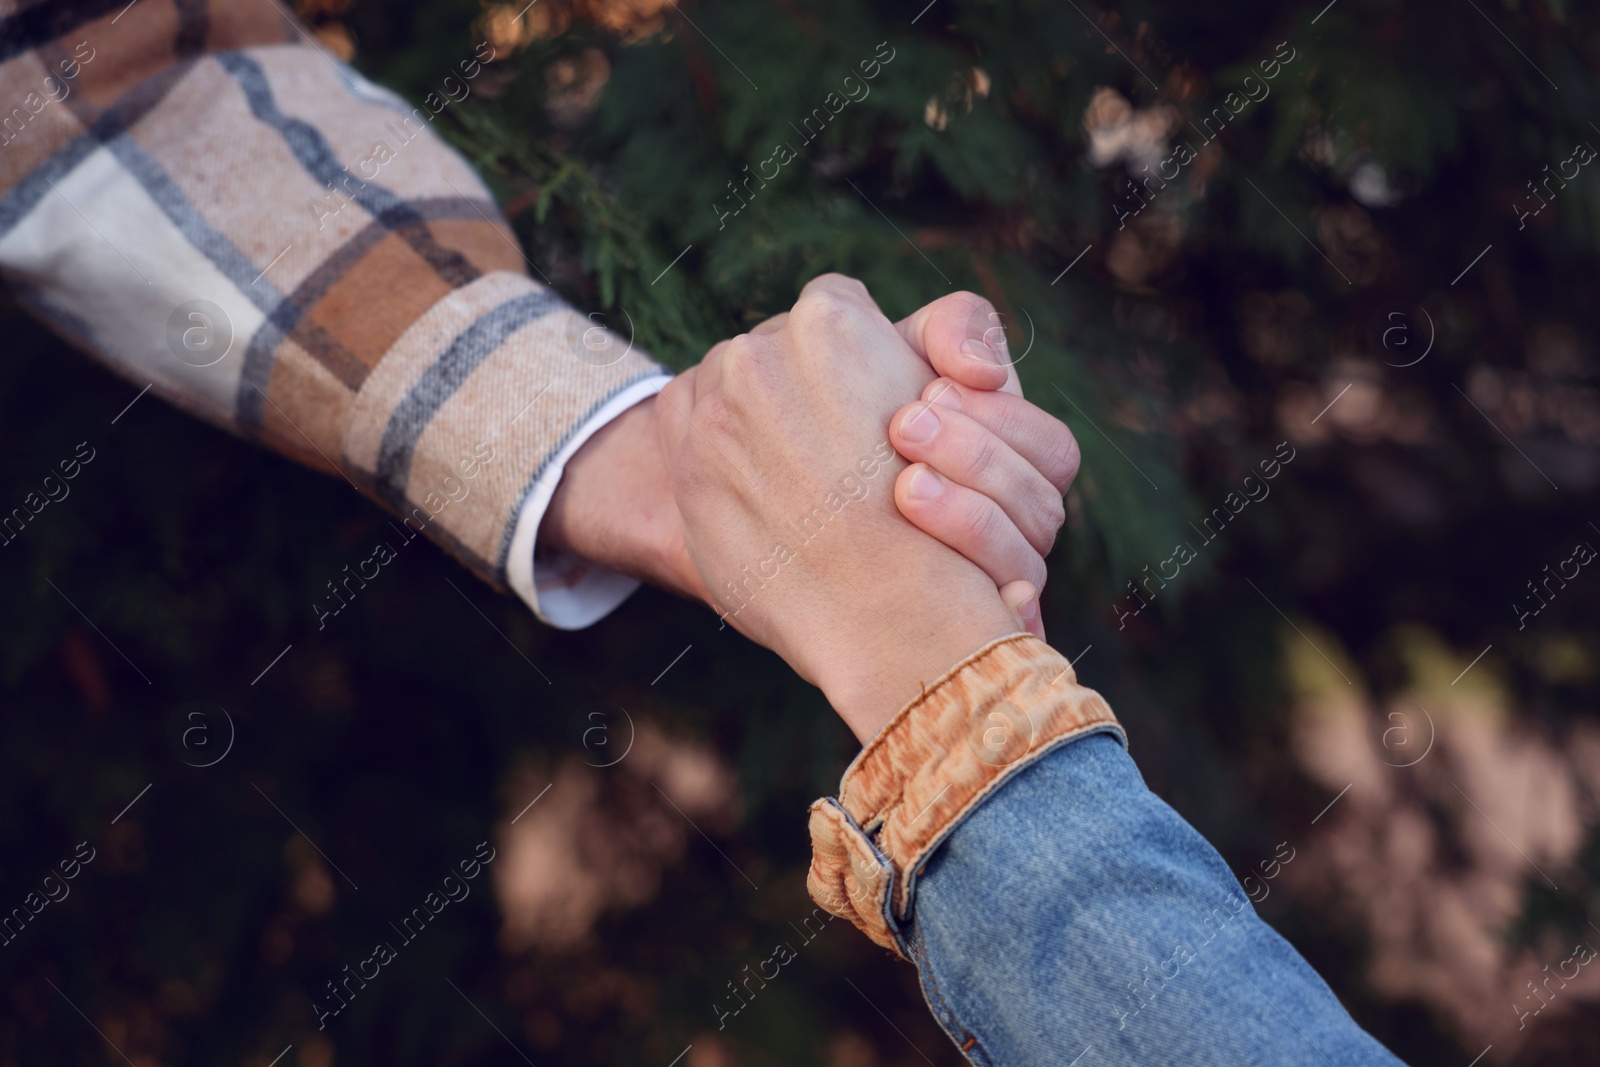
(962, 337)
(1023, 600)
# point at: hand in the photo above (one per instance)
(1004, 461)
(988, 474)
(780, 469)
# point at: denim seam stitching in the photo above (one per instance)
(949, 1021)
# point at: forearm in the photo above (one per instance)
(1050, 901)
(366, 312)
(1120, 927)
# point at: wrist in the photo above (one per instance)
(911, 644)
(614, 505)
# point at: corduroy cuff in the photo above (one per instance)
(984, 720)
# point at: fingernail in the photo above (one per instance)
(945, 394)
(925, 485)
(980, 351)
(1028, 610)
(921, 426)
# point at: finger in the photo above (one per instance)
(962, 337)
(968, 522)
(1023, 600)
(1033, 433)
(969, 454)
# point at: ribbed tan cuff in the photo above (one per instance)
(982, 721)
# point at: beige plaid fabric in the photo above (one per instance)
(196, 194)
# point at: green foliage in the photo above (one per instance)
(677, 323)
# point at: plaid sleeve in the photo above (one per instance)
(215, 207)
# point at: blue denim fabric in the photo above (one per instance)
(1075, 918)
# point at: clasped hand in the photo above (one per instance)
(808, 530)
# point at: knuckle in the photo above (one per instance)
(829, 298)
(713, 359)
(1055, 515)
(1010, 425)
(819, 307)
(1037, 572)
(980, 524)
(770, 325)
(1051, 516)
(744, 365)
(981, 459)
(736, 353)
(750, 381)
(842, 283)
(1064, 459)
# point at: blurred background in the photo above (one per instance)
(1354, 245)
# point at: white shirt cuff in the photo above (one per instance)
(564, 589)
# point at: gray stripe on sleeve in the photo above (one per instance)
(440, 382)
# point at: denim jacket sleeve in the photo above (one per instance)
(997, 834)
